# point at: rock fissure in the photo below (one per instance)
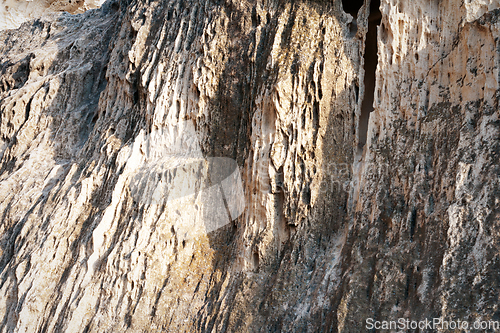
(370, 62)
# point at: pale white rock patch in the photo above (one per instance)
(15, 12)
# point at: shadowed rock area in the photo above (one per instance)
(353, 159)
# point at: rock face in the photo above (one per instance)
(100, 113)
(14, 12)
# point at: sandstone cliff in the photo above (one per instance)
(351, 210)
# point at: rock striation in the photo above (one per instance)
(336, 210)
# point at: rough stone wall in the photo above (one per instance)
(428, 203)
(330, 235)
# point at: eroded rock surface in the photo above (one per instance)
(333, 231)
(14, 12)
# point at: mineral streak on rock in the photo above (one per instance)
(330, 234)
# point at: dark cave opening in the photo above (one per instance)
(370, 67)
(352, 7)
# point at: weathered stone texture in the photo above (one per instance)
(15, 12)
(332, 232)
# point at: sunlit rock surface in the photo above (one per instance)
(104, 117)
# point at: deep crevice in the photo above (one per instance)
(370, 66)
(352, 7)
